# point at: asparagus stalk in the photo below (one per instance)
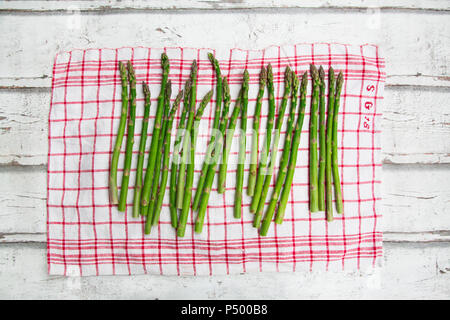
(184, 155)
(294, 150)
(262, 170)
(190, 168)
(284, 158)
(159, 155)
(113, 193)
(212, 168)
(166, 158)
(211, 144)
(255, 134)
(313, 192)
(176, 156)
(130, 140)
(273, 155)
(334, 154)
(140, 163)
(322, 141)
(242, 149)
(148, 181)
(329, 182)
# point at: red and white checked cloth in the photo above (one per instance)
(88, 236)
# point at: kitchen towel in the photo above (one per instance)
(89, 236)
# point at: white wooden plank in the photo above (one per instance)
(416, 198)
(414, 45)
(23, 126)
(409, 272)
(415, 237)
(416, 126)
(42, 6)
(23, 197)
(23, 237)
(415, 202)
(409, 114)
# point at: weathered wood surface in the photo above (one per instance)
(409, 115)
(412, 43)
(415, 202)
(411, 271)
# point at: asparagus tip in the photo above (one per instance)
(295, 82)
(208, 96)
(123, 70)
(176, 104)
(194, 69)
(314, 72)
(322, 74)
(304, 81)
(211, 57)
(178, 97)
(340, 80)
(331, 74)
(130, 68)
(246, 77)
(287, 72)
(287, 76)
(269, 73)
(263, 76)
(164, 60)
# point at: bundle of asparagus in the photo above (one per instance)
(148, 196)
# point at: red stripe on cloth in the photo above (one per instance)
(80, 160)
(48, 161)
(116, 62)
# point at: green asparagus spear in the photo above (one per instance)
(165, 172)
(140, 163)
(313, 192)
(113, 193)
(329, 182)
(294, 150)
(322, 141)
(273, 154)
(185, 151)
(255, 134)
(155, 138)
(262, 170)
(130, 140)
(211, 144)
(176, 156)
(284, 158)
(190, 168)
(212, 169)
(336, 179)
(242, 149)
(159, 155)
